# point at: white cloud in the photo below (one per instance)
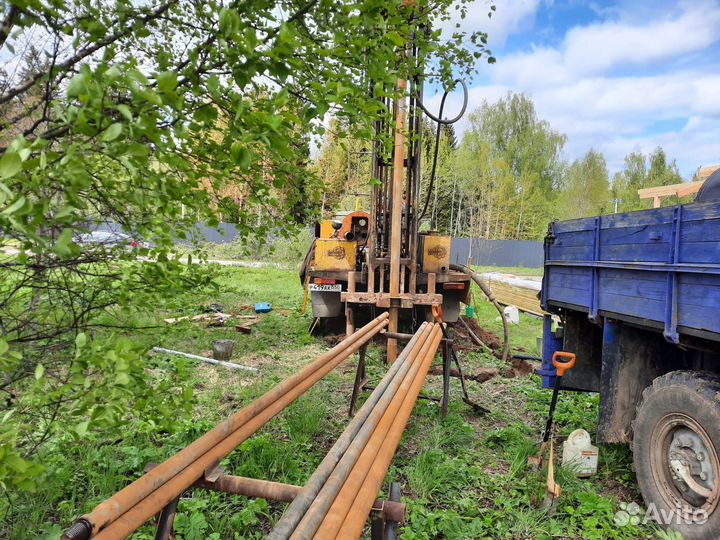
(583, 89)
(507, 19)
(598, 47)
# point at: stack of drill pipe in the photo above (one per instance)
(128, 509)
(337, 500)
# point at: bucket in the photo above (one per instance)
(223, 349)
(469, 311)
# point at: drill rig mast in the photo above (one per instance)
(380, 260)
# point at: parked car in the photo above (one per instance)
(111, 239)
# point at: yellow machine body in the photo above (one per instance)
(332, 254)
(435, 253)
(326, 229)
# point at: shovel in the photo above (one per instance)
(536, 462)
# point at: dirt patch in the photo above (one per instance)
(333, 339)
(481, 375)
(519, 368)
(487, 337)
(523, 368)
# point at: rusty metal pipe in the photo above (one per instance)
(398, 179)
(354, 521)
(397, 335)
(188, 458)
(251, 487)
(322, 503)
(295, 512)
(277, 491)
(477, 278)
(335, 516)
(315, 514)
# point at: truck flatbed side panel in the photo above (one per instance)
(660, 265)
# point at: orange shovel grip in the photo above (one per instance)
(563, 366)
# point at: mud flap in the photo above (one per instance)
(631, 359)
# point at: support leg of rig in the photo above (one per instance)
(392, 526)
(359, 380)
(166, 521)
(349, 313)
(444, 404)
(377, 526)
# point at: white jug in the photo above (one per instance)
(579, 454)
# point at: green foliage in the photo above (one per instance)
(344, 168)
(288, 251)
(506, 178)
(585, 190)
(642, 172)
(155, 116)
(15, 472)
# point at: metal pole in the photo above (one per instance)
(391, 526)
(347, 497)
(393, 511)
(396, 213)
(230, 365)
(358, 454)
(444, 404)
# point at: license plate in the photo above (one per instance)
(316, 287)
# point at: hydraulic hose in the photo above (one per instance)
(440, 122)
(491, 297)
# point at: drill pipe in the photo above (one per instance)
(386, 429)
(354, 521)
(322, 503)
(146, 496)
(295, 512)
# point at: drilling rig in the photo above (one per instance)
(379, 260)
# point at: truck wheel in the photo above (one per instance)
(675, 450)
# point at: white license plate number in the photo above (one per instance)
(316, 287)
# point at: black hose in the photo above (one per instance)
(490, 296)
(459, 115)
(440, 122)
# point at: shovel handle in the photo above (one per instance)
(563, 365)
(437, 312)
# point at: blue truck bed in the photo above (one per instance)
(654, 268)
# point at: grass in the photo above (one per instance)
(464, 476)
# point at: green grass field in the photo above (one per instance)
(463, 477)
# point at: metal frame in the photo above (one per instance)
(361, 380)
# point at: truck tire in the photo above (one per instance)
(675, 450)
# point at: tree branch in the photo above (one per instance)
(87, 51)
(8, 23)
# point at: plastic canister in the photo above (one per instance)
(470, 311)
(579, 454)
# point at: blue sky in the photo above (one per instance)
(614, 76)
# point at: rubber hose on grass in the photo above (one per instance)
(491, 297)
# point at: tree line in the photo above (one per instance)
(506, 178)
